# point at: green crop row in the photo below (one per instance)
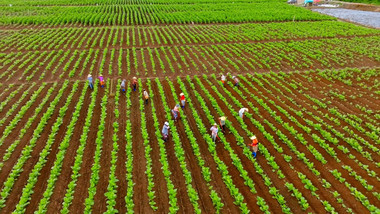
(95, 169)
(163, 160)
(69, 195)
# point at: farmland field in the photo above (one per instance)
(311, 84)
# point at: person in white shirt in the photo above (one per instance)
(223, 79)
(146, 96)
(122, 85)
(242, 111)
(214, 132)
(165, 131)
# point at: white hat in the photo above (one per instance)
(215, 124)
(253, 137)
(245, 109)
(181, 94)
(233, 76)
(166, 124)
(134, 78)
(223, 118)
(89, 75)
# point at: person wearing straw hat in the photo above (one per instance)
(90, 82)
(134, 83)
(175, 112)
(101, 79)
(254, 145)
(236, 81)
(223, 79)
(222, 122)
(214, 132)
(122, 85)
(146, 96)
(165, 131)
(242, 111)
(183, 100)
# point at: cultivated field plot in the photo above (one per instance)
(311, 86)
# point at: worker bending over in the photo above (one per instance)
(236, 80)
(122, 85)
(101, 79)
(146, 96)
(254, 145)
(165, 131)
(223, 79)
(175, 112)
(222, 122)
(214, 132)
(183, 100)
(242, 111)
(134, 83)
(90, 82)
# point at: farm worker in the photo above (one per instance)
(254, 145)
(222, 122)
(134, 83)
(146, 96)
(242, 111)
(122, 85)
(223, 79)
(182, 98)
(214, 132)
(101, 79)
(90, 83)
(165, 131)
(175, 112)
(236, 81)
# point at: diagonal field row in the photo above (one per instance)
(319, 146)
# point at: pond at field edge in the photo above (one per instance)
(367, 18)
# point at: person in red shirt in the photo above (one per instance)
(183, 100)
(254, 145)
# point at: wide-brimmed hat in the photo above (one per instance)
(245, 109)
(100, 75)
(215, 124)
(223, 118)
(233, 76)
(134, 78)
(181, 94)
(177, 105)
(166, 124)
(253, 137)
(89, 75)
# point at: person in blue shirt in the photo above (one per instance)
(90, 82)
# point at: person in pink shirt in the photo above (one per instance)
(175, 112)
(101, 79)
